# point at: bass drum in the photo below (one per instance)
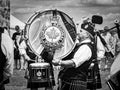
(51, 29)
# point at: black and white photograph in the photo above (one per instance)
(60, 44)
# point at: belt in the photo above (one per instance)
(75, 82)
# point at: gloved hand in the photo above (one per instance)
(56, 62)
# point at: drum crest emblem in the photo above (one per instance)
(39, 74)
(52, 36)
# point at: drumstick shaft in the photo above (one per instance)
(109, 85)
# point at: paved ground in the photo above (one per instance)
(19, 83)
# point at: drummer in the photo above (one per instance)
(31, 58)
(47, 55)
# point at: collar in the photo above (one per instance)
(86, 41)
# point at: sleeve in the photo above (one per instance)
(8, 50)
(100, 49)
(13, 37)
(83, 54)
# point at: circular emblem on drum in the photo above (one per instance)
(51, 30)
(39, 74)
(52, 36)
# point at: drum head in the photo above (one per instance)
(40, 65)
(51, 29)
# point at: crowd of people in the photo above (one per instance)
(80, 67)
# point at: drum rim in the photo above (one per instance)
(40, 65)
(33, 17)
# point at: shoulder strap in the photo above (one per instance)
(91, 46)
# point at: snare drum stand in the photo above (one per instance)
(40, 60)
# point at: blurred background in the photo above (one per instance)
(17, 12)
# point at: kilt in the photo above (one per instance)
(41, 84)
(72, 85)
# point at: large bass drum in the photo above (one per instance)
(51, 29)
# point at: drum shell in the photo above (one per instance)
(40, 72)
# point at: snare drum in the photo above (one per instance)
(39, 72)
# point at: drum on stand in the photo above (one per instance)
(39, 72)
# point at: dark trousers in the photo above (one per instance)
(2, 87)
(2, 83)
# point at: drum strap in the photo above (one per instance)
(69, 26)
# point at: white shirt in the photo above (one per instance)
(22, 47)
(84, 53)
(8, 50)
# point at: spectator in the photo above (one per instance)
(107, 37)
(22, 49)
(16, 38)
(6, 58)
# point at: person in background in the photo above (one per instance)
(107, 37)
(114, 42)
(16, 38)
(22, 49)
(113, 80)
(47, 56)
(6, 57)
(30, 57)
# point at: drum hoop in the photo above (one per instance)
(31, 20)
(39, 65)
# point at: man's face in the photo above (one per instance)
(17, 28)
(82, 35)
